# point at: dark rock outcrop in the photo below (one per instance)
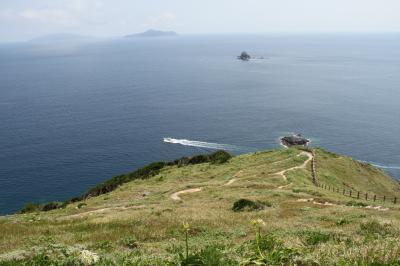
(244, 56)
(295, 140)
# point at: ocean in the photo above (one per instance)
(75, 114)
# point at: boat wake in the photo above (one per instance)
(200, 144)
(386, 166)
(382, 166)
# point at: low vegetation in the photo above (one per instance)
(249, 205)
(145, 172)
(246, 213)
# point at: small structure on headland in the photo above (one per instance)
(294, 140)
(244, 56)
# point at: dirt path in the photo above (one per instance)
(303, 166)
(100, 211)
(284, 186)
(327, 203)
(234, 178)
(176, 195)
(230, 182)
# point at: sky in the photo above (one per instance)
(26, 19)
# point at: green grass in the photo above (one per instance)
(137, 223)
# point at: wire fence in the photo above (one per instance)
(352, 193)
(355, 194)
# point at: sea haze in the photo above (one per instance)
(75, 115)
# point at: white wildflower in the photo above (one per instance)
(258, 222)
(88, 258)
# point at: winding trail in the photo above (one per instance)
(100, 211)
(176, 195)
(230, 182)
(327, 203)
(234, 178)
(303, 166)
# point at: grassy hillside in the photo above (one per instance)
(280, 217)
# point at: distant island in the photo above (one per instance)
(153, 33)
(244, 56)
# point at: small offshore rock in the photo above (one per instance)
(244, 56)
(294, 140)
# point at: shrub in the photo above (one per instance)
(217, 157)
(180, 162)
(247, 205)
(220, 157)
(356, 204)
(30, 207)
(81, 205)
(110, 185)
(52, 206)
(198, 159)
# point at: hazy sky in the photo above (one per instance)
(25, 19)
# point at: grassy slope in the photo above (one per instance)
(144, 210)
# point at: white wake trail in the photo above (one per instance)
(200, 144)
(382, 166)
(385, 166)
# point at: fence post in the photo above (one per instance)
(366, 196)
(374, 198)
(358, 194)
(384, 198)
(395, 200)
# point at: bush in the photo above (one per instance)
(198, 159)
(247, 205)
(217, 157)
(356, 204)
(52, 206)
(220, 157)
(81, 205)
(34, 207)
(30, 207)
(110, 185)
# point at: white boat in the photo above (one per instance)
(169, 140)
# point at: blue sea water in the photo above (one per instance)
(74, 115)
